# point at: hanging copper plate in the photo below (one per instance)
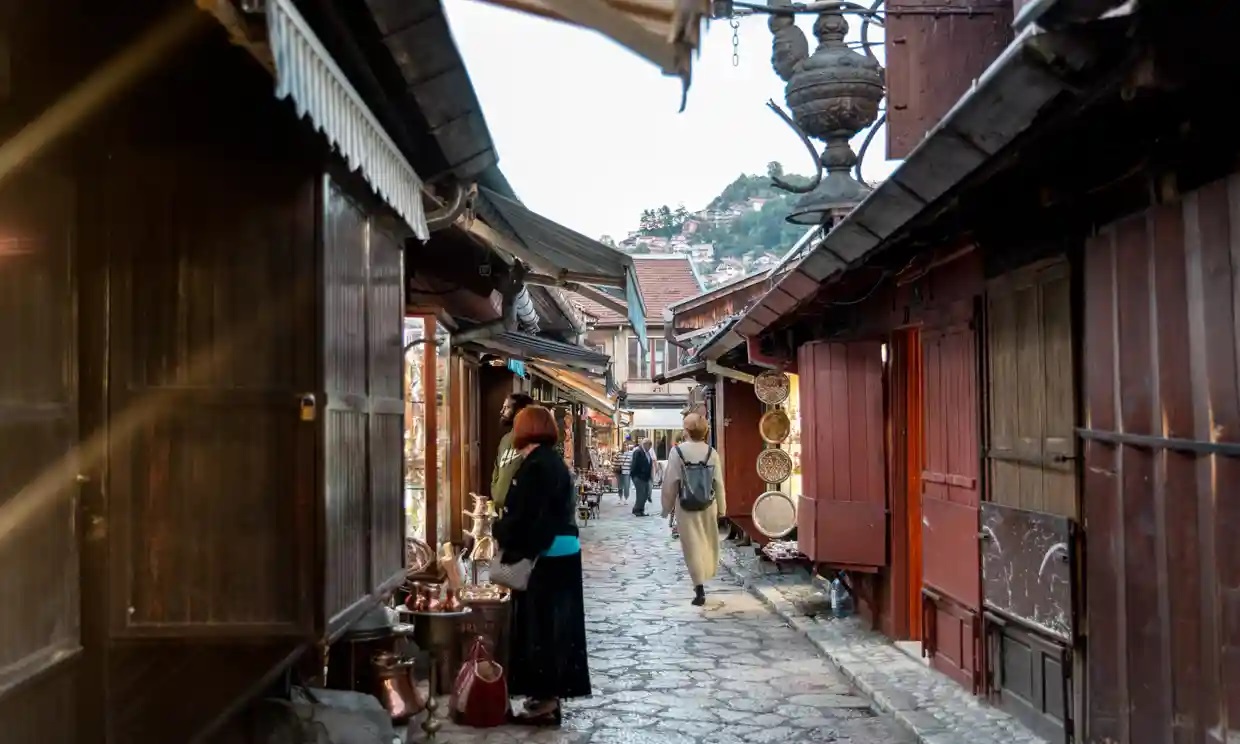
(772, 387)
(775, 426)
(774, 465)
(775, 514)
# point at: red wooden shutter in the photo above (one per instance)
(935, 50)
(842, 453)
(807, 504)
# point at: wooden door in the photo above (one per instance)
(1028, 551)
(950, 500)
(843, 456)
(385, 313)
(741, 444)
(39, 630)
(210, 321)
(346, 409)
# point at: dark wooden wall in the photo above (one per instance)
(1161, 498)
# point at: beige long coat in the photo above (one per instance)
(699, 531)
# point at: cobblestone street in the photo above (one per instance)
(665, 672)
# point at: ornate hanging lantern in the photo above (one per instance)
(834, 93)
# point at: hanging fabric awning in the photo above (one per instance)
(578, 388)
(564, 257)
(529, 348)
(665, 32)
(307, 74)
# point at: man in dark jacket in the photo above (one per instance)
(507, 458)
(642, 472)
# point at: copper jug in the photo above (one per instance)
(395, 687)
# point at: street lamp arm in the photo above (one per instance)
(778, 182)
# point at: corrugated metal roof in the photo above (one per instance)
(319, 90)
(555, 250)
(537, 348)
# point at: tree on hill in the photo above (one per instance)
(751, 234)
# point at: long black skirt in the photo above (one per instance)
(547, 648)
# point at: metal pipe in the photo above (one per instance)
(451, 209)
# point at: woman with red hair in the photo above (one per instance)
(548, 661)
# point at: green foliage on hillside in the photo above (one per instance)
(751, 234)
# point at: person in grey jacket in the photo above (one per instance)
(642, 472)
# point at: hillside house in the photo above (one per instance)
(664, 281)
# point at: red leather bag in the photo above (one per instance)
(480, 695)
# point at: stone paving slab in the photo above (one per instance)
(666, 672)
(934, 708)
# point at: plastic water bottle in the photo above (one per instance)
(841, 600)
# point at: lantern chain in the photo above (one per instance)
(736, 41)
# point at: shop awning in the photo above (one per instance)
(578, 388)
(308, 76)
(566, 258)
(665, 32)
(657, 418)
(523, 346)
(683, 372)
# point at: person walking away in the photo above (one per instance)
(547, 623)
(507, 457)
(626, 465)
(642, 471)
(693, 493)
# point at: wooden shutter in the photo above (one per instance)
(935, 50)
(842, 453)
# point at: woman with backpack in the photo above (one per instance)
(693, 490)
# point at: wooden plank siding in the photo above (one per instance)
(1161, 517)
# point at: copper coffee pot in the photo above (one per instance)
(395, 687)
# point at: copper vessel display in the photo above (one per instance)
(395, 687)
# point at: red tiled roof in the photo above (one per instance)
(664, 281)
(602, 315)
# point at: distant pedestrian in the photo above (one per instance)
(642, 472)
(626, 466)
(693, 495)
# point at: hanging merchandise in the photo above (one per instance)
(774, 426)
(772, 387)
(775, 514)
(774, 465)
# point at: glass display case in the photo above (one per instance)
(415, 426)
(442, 355)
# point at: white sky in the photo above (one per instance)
(588, 133)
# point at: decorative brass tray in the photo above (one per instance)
(774, 465)
(772, 387)
(775, 426)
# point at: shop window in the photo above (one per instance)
(639, 368)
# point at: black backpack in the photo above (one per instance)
(697, 483)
